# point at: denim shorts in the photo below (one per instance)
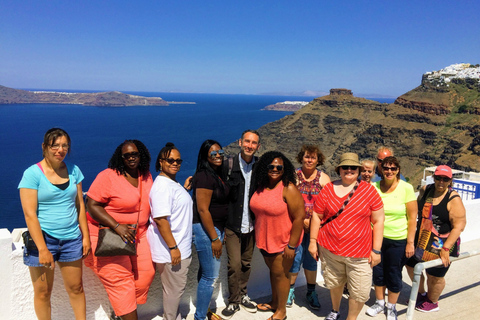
(303, 257)
(62, 251)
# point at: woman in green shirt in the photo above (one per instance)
(400, 205)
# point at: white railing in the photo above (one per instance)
(417, 272)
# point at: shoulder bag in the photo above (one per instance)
(109, 241)
(430, 242)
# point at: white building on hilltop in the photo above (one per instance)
(455, 71)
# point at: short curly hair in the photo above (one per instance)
(116, 161)
(310, 148)
(260, 178)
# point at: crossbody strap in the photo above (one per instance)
(140, 201)
(343, 206)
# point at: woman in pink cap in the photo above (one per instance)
(448, 217)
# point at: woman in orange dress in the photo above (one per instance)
(117, 199)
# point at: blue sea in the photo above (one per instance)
(97, 131)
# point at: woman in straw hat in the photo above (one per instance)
(341, 227)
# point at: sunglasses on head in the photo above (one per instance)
(172, 161)
(379, 160)
(349, 167)
(220, 152)
(439, 178)
(389, 168)
(134, 155)
(271, 167)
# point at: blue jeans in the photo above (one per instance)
(208, 270)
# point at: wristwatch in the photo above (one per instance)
(376, 251)
(173, 248)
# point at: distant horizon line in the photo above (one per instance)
(296, 94)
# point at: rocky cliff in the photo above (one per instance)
(429, 133)
(453, 89)
(100, 99)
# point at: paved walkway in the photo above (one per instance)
(459, 300)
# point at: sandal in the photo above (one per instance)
(272, 318)
(265, 307)
(213, 316)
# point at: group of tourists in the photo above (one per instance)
(363, 227)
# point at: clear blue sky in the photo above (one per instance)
(226, 46)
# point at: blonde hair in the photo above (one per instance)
(368, 162)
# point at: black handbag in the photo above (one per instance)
(28, 241)
(109, 241)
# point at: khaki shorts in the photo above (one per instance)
(356, 272)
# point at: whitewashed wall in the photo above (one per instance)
(16, 292)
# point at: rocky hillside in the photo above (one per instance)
(427, 131)
(455, 89)
(99, 99)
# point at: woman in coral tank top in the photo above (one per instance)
(279, 214)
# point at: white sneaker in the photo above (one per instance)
(392, 313)
(375, 310)
(333, 315)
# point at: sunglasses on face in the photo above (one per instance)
(271, 167)
(444, 179)
(220, 152)
(134, 155)
(172, 161)
(349, 167)
(389, 168)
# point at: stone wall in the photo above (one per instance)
(341, 92)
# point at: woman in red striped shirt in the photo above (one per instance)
(345, 210)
